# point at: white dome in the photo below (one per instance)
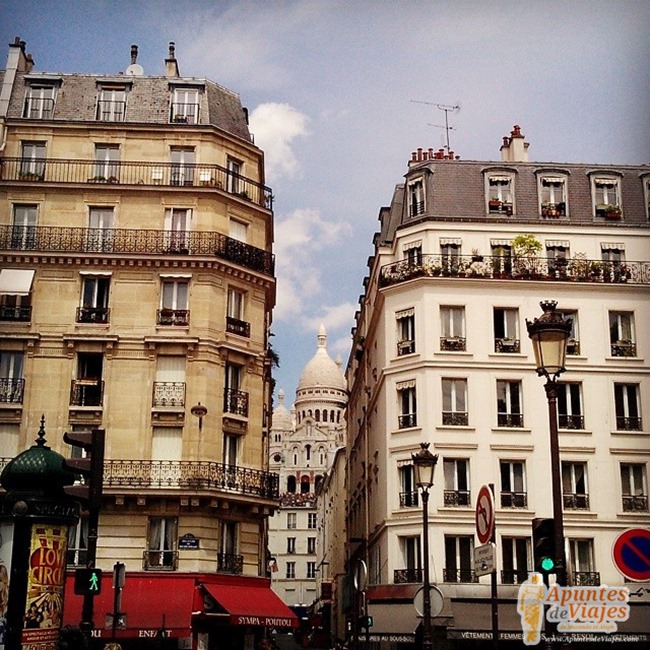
(322, 371)
(282, 419)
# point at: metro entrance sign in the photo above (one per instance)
(631, 554)
(484, 515)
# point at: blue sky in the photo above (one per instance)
(334, 91)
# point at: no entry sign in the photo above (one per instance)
(631, 554)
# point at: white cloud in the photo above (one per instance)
(275, 127)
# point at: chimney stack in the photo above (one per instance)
(171, 64)
(514, 149)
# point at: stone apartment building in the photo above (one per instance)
(136, 291)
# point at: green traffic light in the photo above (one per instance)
(547, 564)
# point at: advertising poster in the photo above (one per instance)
(6, 548)
(45, 587)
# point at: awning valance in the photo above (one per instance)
(405, 313)
(557, 243)
(251, 605)
(612, 246)
(393, 622)
(404, 385)
(16, 282)
(412, 245)
(451, 242)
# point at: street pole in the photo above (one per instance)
(493, 589)
(427, 643)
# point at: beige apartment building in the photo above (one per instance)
(441, 355)
(137, 286)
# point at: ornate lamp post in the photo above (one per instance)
(550, 334)
(424, 463)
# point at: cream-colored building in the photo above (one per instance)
(137, 282)
(441, 355)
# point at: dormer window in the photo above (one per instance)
(416, 197)
(39, 101)
(111, 103)
(646, 196)
(552, 196)
(500, 194)
(607, 197)
(185, 106)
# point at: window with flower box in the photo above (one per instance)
(552, 196)
(607, 197)
(500, 194)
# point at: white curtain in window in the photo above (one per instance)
(167, 443)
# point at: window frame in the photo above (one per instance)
(550, 204)
(114, 97)
(416, 197)
(455, 407)
(405, 322)
(407, 403)
(634, 489)
(603, 197)
(575, 485)
(500, 193)
(42, 112)
(508, 417)
(511, 479)
(457, 489)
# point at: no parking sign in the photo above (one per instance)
(631, 554)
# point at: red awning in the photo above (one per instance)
(249, 605)
(150, 603)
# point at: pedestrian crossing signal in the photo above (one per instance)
(88, 582)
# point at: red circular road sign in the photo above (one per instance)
(484, 514)
(631, 554)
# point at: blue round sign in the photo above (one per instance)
(631, 554)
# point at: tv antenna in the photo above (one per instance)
(447, 108)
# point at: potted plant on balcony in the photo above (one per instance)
(494, 205)
(612, 212)
(476, 255)
(525, 249)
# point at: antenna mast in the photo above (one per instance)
(447, 109)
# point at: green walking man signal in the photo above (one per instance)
(88, 582)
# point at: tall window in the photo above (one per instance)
(169, 386)
(413, 253)
(454, 402)
(405, 331)
(32, 161)
(182, 159)
(291, 545)
(185, 106)
(161, 543)
(77, 553)
(452, 328)
(500, 194)
(23, 228)
(450, 257)
(177, 225)
(88, 387)
(574, 486)
(230, 449)
(100, 234)
(506, 329)
(416, 197)
(408, 496)
(557, 254)
(228, 559)
(234, 183)
(291, 570)
(238, 230)
(39, 101)
(234, 399)
(311, 520)
(456, 471)
(311, 570)
(94, 299)
(628, 410)
(581, 563)
(634, 487)
(407, 405)
(111, 103)
(621, 334)
(107, 158)
(459, 563)
(501, 259)
(515, 556)
(311, 545)
(411, 559)
(573, 344)
(235, 316)
(607, 200)
(174, 303)
(509, 405)
(12, 383)
(552, 195)
(569, 405)
(291, 520)
(513, 484)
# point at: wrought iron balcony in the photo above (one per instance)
(408, 499)
(190, 475)
(230, 563)
(405, 347)
(576, 501)
(510, 420)
(407, 420)
(454, 498)
(586, 578)
(498, 267)
(453, 344)
(160, 560)
(122, 241)
(9, 313)
(455, 418)
(628, 423)
(459, 575)
(573, 347)
(504, 345)
(239, 327)
(136, 173)
(513, 576)
(168, 393)
(406, 576)
(86, 392)
(235, 402)
(635, 503)
(99, 315)
(514, 500)
(11, 390)
(173, 317)
(624, 349)
(575, 422)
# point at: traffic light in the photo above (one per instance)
(89, 467)
(365, 622)
(87, 582)
(544, 545)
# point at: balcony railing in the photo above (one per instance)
(502, 345)
(459, 575)
(635, 503)
(586, 578)
(455, 419)
(408, 499)
(160, 560)
(500, 268)
(9, 313)
(230, 563)
(173, 317)
(406, 576)
(405, 347)
(190, 475)
(453, 343)
(576, 501)
(11, 390)
(407, 420)
(624, 349)
(453, 498)
(168, 393)
(86, 392)
(514, 500)
(99, 315)
(235, 402)
(239, 327)
(510, 420)
(628, 423)
(136, 173)
(57, 239)
(575, 422)
(513, 576)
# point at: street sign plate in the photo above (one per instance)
(485, 559)
(435, 597)
(484, 515)
(631, 554)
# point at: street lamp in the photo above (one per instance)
(550, 334)
(424, 463)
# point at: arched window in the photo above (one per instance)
(307, 452)
(291, 484)
(304, 485)
(317, 414)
